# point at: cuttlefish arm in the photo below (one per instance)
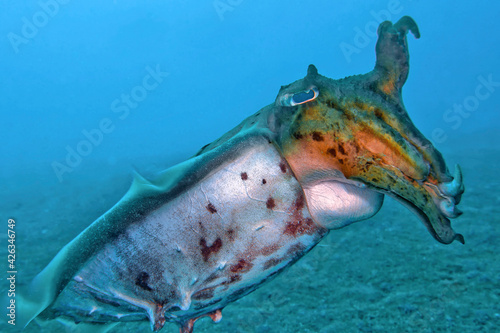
(390, 74)
(360, 127)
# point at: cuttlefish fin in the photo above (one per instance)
(392, 54)
(69, 326)
(140, 183)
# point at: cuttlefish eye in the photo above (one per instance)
(300, 97)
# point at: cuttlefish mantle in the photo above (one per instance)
(214, 228)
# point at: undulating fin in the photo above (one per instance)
(47, 284)
(139, 181)
(71, 327)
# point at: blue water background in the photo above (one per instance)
(222, 67)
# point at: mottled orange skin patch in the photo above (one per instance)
(369, 143)
(388, 86)
(349, 139)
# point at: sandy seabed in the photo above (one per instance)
(386, 274)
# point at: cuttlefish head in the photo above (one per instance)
(356, 130)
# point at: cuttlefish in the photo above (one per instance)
(214, 228)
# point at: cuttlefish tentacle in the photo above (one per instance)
(454, 188)
(447, 195)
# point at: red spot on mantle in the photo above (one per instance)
(233, 278)
(298, 224)
(283, 167)
(206, 251)
(242, 266)
(270, 204)
(300, 227)
(230, 234)
(211, 208)
(270, 249)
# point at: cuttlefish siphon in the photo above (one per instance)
(214, 228)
